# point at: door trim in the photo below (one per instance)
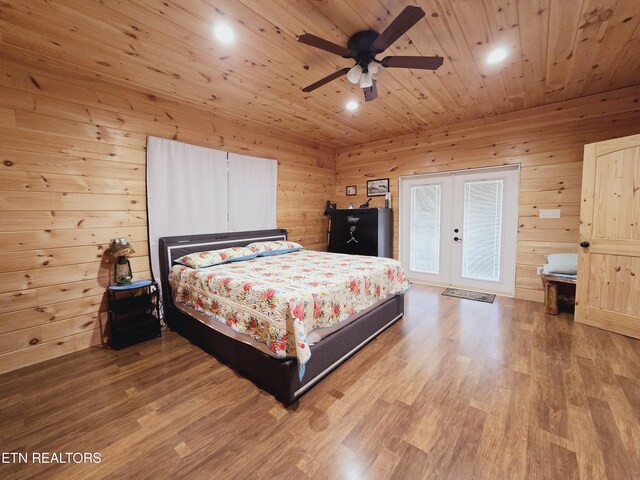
(496, 168)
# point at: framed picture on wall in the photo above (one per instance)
(376, 188)
(351, 190)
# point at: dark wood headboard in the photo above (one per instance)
(172, 248)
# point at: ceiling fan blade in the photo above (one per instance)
(370, 93)
(326, 45)
(403, 22)
(326, 79)
(425, 63)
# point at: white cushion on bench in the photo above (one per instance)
(565, 263)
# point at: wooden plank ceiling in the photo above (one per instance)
(558, 49)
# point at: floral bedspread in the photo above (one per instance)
(279, 300)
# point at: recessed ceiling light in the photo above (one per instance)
(351, 105)
(224, 33)
(497, 55)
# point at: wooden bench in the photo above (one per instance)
(550, 283)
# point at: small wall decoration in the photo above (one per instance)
(351, 190)
(379, 187)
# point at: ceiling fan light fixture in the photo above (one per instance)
(497, 55)
(351, 105)
(354, 74)
(366, 80)
(224, 33)
(363, 47)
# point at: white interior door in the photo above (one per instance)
(460, 228)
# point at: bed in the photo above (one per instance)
(283, 372)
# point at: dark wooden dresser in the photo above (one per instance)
(362, 231)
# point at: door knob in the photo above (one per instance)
(456, 239)
(584, 244)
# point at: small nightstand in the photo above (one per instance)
(134, 313)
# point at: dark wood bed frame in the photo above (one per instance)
(277, 376)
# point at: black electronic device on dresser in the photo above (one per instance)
(134, 313)
(361, 231)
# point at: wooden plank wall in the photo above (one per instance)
(72, 176)
(548, 143)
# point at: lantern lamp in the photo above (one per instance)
(117, 252)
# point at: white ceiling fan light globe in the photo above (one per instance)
(354, 74)
(374, 69)
(366, 80)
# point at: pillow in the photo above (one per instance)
(264, 249)
(565, 263)
(216, 257)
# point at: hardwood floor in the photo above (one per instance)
(456, 390)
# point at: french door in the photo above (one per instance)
(460, 228)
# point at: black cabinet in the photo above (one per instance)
(362, 231)
(134, 313)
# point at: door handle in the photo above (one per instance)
(584, 244)
(457, 239)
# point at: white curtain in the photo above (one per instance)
(253, 184)
(192, 190)
(187, 192)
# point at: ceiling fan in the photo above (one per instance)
(363, 48)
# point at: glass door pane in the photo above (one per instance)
(425, 229)
(481, 247)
